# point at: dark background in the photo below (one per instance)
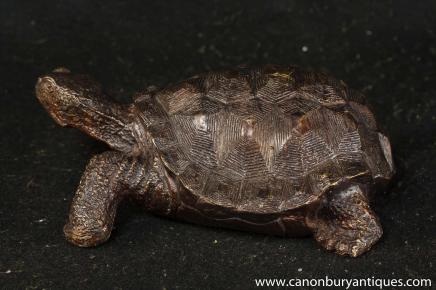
(387, 49)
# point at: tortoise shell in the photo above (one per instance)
(264, 139)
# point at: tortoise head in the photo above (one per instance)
(62, 93)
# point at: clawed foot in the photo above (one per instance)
(348, 239)
(346, 224)
(86, 235)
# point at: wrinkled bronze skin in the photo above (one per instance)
(272, 149)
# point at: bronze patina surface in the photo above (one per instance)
(273, 149)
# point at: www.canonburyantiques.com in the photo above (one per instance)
(344, 283)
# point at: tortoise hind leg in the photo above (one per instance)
(108, 178)
(345, 222)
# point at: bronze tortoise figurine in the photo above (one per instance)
(273, 149)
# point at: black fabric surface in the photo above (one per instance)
(387, 49)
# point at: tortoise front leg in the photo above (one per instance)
(108, 178)
(345, 223)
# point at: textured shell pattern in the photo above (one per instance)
(264, 139)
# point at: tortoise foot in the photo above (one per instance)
(86, 235)
(347, 242)
(346, 224)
